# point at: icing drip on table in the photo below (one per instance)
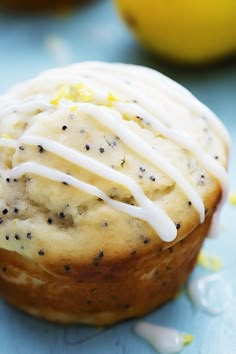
(112, 112)
(210, 293)
(164, 340)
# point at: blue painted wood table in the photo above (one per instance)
(31, 44)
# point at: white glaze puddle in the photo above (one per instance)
(164, 340)
(211, 293)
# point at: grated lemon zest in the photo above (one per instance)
(187, 338)
(86, 94)
(232, 199)
(66, 93)
(79, 86)
(209, 262)
(57, 98)
(73, 93)
(15, 221)
(6, 136)
(112, 97)
(73, 108)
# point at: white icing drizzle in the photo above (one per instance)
(171, 87)
(182, 139)
(10, 143)
(55, 175)
(100, 76)
(164, 340)
(210, 293)
(138, 145)
(26, 107)
(215, 226)
(150, 212)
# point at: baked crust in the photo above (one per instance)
(111, 293)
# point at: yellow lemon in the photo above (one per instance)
(183, 30)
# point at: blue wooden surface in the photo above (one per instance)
(95, 33)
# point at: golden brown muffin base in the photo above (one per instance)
(127, 289)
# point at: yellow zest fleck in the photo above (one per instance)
(111, 97)
(232, 199)
(187, 338)
(6, 136)
(209, 262)
(73, 93)
(63, 92)
(79, 86)
(84, 93)
(57, 98)
(14, 222)
(73, 108)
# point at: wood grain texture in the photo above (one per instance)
(96, 33)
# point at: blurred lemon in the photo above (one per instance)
(183, 30)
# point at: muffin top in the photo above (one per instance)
(104, 161)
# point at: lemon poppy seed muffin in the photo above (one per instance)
(111, 175)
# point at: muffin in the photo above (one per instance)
(110, 177)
